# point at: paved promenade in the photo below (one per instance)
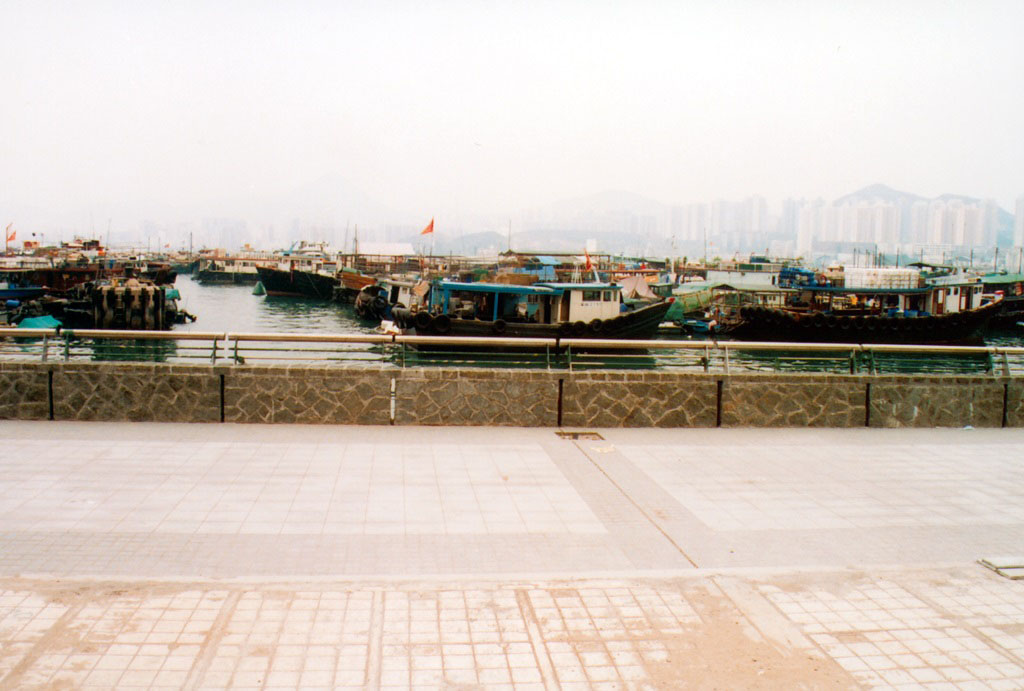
(294, 557)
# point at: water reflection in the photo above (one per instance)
(120, 350)
(235, 308)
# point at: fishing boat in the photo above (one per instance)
(875, 306)
(1011, 287)
(350, 283)
(13, 287)
(227, 270)
(306, 270)
(375, 302)
(297, 283)
(541, 310)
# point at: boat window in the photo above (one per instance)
(609, 295)
(591, 296)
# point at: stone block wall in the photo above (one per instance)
(639, 399)
(307, 395)
(793, 401)
(120, 392)
(24, 392)
(476, 397)
(380, 395)
(1015, 403)
(936, 402)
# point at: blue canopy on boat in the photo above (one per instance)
(44, 322)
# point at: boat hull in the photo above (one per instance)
(637, 324)
(207, 277)
(299, 284)
(771, 324)
(1010, 315)
(22, 293)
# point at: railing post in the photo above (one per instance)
(213, 353)
(547, 356)
(568, 357)
(725, 348)
(707, 359)
(235, 352)
(46, 347)
(1006, 364)
(853, 361)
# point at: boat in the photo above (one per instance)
(376, 302)
(296, 283)
(541, 310)
(13, 289)
(227, 270)
(350, 283)
(108, 304)
(881, 306)
(306, 271)
(1011, 287)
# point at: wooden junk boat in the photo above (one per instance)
(540, 310)
(951, 309)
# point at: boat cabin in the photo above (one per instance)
(542, 303)
(414, 294)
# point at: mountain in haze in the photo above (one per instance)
(880, 192)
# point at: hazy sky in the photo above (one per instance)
(490, 107)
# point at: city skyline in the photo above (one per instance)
(875, 216)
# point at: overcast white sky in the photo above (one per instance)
(480, 107)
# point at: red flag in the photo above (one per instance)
(10, 233)
(587, 255)
(429, 229)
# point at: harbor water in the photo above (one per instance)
(234, 308)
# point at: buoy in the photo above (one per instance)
(258, 289)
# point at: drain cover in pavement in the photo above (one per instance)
(1010, 567)
(580, 435)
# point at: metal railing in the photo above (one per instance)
(239, 349)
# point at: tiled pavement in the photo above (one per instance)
(214, 556)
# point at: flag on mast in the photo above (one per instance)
(429, 229)
(10, 233)
(586, 253)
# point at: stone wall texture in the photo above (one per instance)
(793, 401)
(936, 402)
(639, 399)
(450, 396)
(1015, 403)
(24, 392)
(307, 395)
(477, 397)
(135, 392)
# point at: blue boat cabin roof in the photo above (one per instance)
(535, 289)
